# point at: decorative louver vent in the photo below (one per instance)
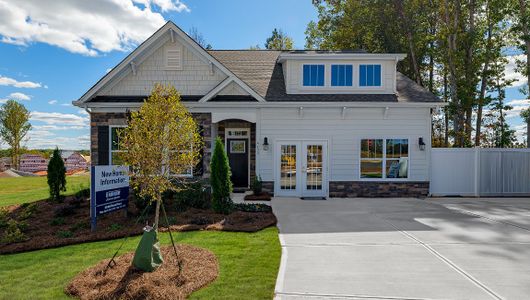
(174, 59)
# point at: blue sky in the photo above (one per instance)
(49, 59)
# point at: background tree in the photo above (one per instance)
(279, 41)
(14, 125)
(56, 176)
(525, 114)
(199, 38)
(451, 46)
(161, 140)
(220, 179)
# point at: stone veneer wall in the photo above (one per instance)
(107, 119)
(268, 186)
(372, 189)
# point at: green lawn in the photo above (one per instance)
(248, 265)
(18, 190)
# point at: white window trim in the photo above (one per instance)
(344, 87)
(315, 87)
(369, 87)
(111, 127)
(408, 178)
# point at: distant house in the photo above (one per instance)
(33, 163)
(5, 163)
(74, 161)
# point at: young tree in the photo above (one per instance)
(279, 41)
(160, 141)
(220, 179)
(56, 176)
(14, 125)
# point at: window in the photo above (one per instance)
(313, 75)
(384, 158)
(341, 75)
(370, 75)
(114, 158)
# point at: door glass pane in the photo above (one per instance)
(314, 167)
(288, 167)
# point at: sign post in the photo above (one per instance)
(109, 191)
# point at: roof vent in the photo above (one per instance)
(174, 59)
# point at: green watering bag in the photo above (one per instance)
(147, 256)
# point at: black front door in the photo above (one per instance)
(237, 150)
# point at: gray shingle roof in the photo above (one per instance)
(260, 70)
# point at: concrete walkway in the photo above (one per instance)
(404, 248)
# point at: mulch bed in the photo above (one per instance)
(123, 281)
(260, 197)
(75, 226)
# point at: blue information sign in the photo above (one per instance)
(109, 190)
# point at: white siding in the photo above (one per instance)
(194, 78)
(344, 136)
(293, 76)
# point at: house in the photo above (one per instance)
(33, 163)
(74, 161)
(310, 123)
(5, 163)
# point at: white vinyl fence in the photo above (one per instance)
(480, 172)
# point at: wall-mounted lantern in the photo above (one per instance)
(265, 144)
(421, 144)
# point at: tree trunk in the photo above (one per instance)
(410, 39)
(157, 212)
(446, 114)
(528, 134)
(484, 81)
(468, 105)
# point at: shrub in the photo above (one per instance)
(83, 192)
(172, 220)
(57, 221)
(142, 202)
(257, 186)
(64, 234)
(56, 176)
(220, 179)
(28, 209)
(114, 227)
(251, 207)
(63, 211)
(193, 195)
(4, 217)
(14, 233)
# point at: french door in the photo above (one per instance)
(301, 168)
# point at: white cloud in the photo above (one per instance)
(19, 96)
(518, 106)
(85, 27)
(66, 104)
(165, 5)
(52, 102)
(13, 82)
(55, 118)
(511, 73)
(16, 96)
(520, 132)
(57, 127)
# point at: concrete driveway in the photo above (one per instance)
(447, 248)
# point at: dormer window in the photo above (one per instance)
(341, 75)
(369, 75)
(313, 75)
